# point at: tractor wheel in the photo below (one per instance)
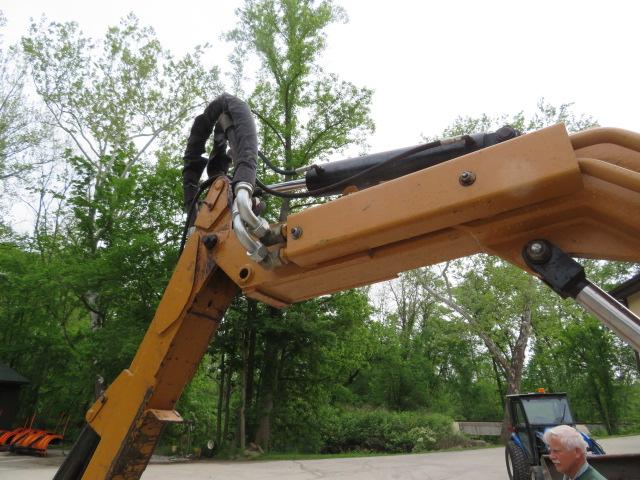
(518, 466)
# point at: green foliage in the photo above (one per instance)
(45, 330)
(42, 337)
(195, 407)
(313, 344)
(21, 125)
(306, 114)
(112, 241)
(384, 431)
(544, 116)
(109, 95)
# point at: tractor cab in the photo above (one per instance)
(530, 415)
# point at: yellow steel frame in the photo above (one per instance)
(582, 193)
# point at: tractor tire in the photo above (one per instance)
(518, 466)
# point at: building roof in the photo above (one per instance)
(9, 375)
(626, 289)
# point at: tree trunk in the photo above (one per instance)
(505, 422)
(513, 386)
(97, 322)
(270, 365)
(252, 312)
(496, 372)
(516, 365)
(220, 403)
(227, 402)
(251, 365)
(604, 415)
(243, 392)
(267, 394)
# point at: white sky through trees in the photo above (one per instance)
(428, 62)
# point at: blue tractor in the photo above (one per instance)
(530, 415)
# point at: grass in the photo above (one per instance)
(274, 456)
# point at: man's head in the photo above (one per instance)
(567, 448)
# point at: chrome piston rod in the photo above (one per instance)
(612, 313)
(567, 278)
(290, 186)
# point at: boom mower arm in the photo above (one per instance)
(579, 192)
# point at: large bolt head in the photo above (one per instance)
(210, 241)
(296, 232)
(538, 251)
(467, 178)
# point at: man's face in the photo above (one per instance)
(565, 460)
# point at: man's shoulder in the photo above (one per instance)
(591, 474)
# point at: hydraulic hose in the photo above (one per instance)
(235, 118)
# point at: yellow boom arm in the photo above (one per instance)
(580, 192)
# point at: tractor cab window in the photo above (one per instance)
(547, 410)
(521, 427)
(519, 420)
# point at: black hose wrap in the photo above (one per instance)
(242, 135)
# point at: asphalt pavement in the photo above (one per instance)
(479, 464)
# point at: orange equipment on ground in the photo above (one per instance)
(33, 441)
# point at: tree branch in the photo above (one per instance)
(78, 125)
(488, 341)
(273, 129)
(66, 129)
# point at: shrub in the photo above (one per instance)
(384, 431)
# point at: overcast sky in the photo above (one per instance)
(427, 62)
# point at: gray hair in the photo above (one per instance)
(569, 437)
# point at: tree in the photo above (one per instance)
(306, 115)
(44, 326)
(402, 375)
(116, 101)
(544, 116)
(41, 334)
(498, 303)
(13, 123)
(573, 352)
(20, 131)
